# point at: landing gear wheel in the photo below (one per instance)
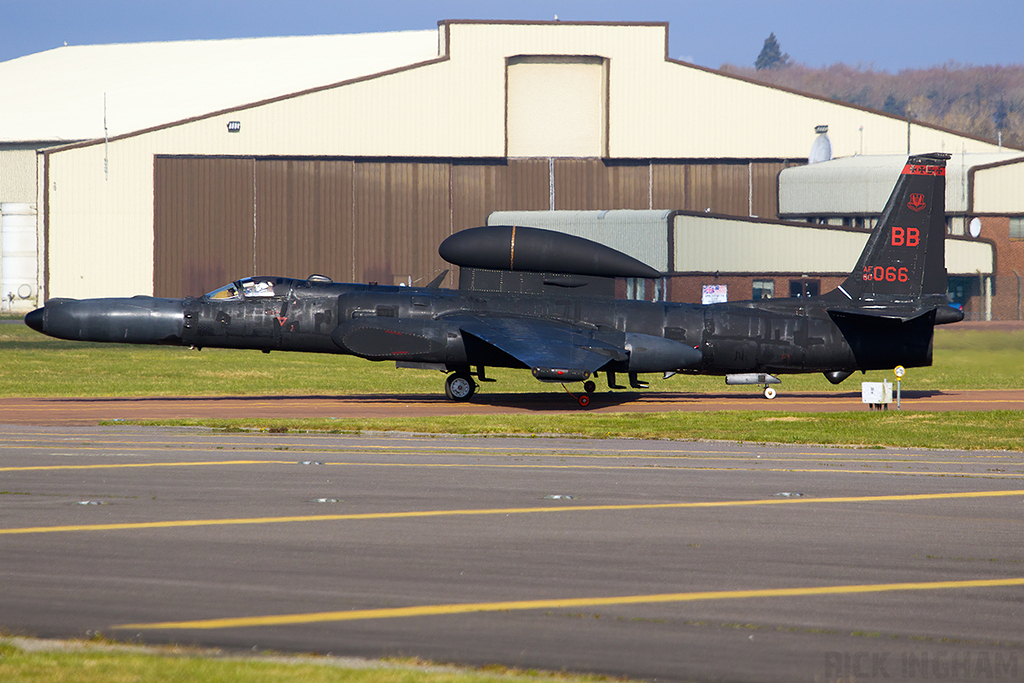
(584, 400)
(459, 387)
(769, 393)
(589, 386)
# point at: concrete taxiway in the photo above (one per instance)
(651, 559)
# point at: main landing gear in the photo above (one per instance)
(459, 386)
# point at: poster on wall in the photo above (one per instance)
(714, 294)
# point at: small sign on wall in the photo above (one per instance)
(714, 294)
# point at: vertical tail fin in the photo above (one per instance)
(905, 257)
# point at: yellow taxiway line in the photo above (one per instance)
(129, 465)
(565, 603)
(362, 516)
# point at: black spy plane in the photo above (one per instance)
(544, 301)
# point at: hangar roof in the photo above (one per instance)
(860, 185)
(481, 89)
(58, 95)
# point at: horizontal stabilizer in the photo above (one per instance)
(943, 314)
(887, 313)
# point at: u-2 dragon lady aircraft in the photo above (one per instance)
(544, 301)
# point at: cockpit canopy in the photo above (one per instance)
(263, 288)
(250, 288)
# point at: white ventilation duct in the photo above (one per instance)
(821, 150)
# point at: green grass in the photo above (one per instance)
(34, 365)
(997, 430)
(91, 664)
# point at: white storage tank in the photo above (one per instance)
(17, 256)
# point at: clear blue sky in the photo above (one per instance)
(886, 35)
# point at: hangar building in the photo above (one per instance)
(354, 156)
(830, 208)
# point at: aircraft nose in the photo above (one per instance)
(35, 319)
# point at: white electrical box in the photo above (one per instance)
(876, 393)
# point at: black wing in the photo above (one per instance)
(554, 351)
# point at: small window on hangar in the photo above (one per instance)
(804, 288)
(1017, 227)
(763, 289)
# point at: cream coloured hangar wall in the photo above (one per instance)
(708, 245)
(98, 197)
(999, 188)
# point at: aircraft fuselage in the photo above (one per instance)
(544, 301)
(423, 326)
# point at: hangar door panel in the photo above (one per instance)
(202, 223)
(556, 107)
(303, 217)
(219, 219)
(478, 188)
(401, 213)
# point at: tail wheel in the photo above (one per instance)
(459, 387)
(589, 386)
(769, 393)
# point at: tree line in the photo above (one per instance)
(983, 101)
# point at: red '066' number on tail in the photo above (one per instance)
(883, 274)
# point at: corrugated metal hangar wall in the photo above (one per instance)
(380, 220)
